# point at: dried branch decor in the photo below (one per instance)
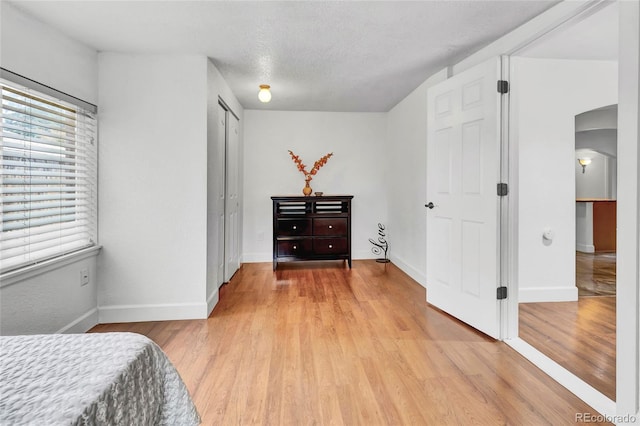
(303, 167)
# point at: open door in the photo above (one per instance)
(463, 216)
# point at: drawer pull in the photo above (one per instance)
(330, 226)
(295, 247)
(295, 227)
(330, 246)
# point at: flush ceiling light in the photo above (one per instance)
(584, 162)
(264, 94)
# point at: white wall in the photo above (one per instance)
(597, 139)
(406, 177)
(546, 97)
(358, 167)
(594, 182)
(42, 53)
(604, 141)
(217, 88)
(49, 299)
(584, 227)
(152, 187)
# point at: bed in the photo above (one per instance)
(90, 379)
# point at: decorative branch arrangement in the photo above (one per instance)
(316, 166)
(381, 246)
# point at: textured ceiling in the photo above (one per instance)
(316, 55)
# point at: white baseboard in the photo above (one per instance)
(81, 324)
(212, 301)
(578, 387)
(417, 275)
(548, 294)
(256, 257)
(363, 255)
(585, 248)
(160, 312)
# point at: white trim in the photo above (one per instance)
(578, 387)
(257, 257)
(362, 255)
(506, 308)
(548, 294)
(159, 312)
(31, 271)
(212, 301)
(585, 248)
(81, 324)
(510, 329)
(415, 274)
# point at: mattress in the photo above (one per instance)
(90, 379)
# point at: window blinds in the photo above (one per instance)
(48, 177)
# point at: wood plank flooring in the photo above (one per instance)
(319, 344)
(596, 274)
(580, 336)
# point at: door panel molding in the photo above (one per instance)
(463, 168)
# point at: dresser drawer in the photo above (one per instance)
(293, 227)
(336, 226)
(336, 246)
(301, 247)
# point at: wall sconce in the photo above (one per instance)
(584, 162)
(264, 94)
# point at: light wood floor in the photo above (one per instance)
(580, 336)
(322, 344)
(596, 274)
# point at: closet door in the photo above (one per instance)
(220, 172)
(232, 203)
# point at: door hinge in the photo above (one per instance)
(502, 293)
(503, 189)
(503, 86)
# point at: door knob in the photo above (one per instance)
(430, 205)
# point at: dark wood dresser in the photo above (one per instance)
(311, 228)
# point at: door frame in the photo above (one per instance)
(628, 267)
(577, 386)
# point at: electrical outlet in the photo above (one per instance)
(260, 236)
(84, 277)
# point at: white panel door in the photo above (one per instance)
(232, 226)
(463, 169)
(220, 191)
